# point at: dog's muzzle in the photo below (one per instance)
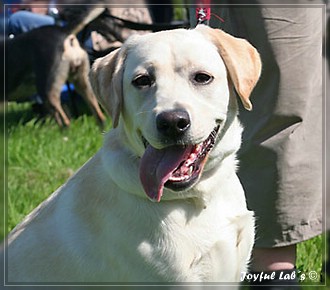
(176, 167)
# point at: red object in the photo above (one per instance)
(203, 10)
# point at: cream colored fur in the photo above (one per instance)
(100, 226)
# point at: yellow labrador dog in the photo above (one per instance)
(160, 201)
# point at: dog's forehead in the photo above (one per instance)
(174, 48)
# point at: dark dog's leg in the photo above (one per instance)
(59, 114)
(50, 90)
(84, 88)
(51, 74)
(54, 97)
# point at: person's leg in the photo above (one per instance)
(273, 259)
(23, 21)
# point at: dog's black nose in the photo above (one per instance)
(173, 123)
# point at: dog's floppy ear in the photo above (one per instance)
(241, 59)
(106, 78)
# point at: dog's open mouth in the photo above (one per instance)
(175, 167)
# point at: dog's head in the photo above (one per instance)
(170, 92)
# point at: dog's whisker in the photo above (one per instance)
(142, 112)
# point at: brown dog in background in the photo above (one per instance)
(43, 59)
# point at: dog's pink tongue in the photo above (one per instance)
(157, 166)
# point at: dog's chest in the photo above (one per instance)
(188, 255)
(176, 247)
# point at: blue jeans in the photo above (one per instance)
(23, 21)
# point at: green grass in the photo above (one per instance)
(310, 258)
(41, 157)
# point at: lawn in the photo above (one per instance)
(41, 157)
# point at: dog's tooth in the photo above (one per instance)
(192, 157)
(198, 147)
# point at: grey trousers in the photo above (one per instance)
(281, 155)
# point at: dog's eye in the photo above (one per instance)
(142, 81)
(202, 78)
